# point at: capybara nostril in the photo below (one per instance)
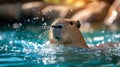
(52, 26)
(60, 26)
(57, 26)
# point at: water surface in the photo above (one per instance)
(22, 47)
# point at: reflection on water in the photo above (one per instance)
(25, 48)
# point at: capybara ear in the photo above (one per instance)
(78, 24)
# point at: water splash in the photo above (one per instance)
(37, 49)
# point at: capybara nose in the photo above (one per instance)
(57, 26)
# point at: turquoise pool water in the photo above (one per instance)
(21, 48)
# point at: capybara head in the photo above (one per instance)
(66, 31)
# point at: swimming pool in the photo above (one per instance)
(22, 47)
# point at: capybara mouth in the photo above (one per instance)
(58, 38)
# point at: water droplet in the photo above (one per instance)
(16, 25)
(45, 24)
(1, 37)
(28, 20)
(11, 42)
(37, 18)
(102, 42)
(103, 31)
(6, 46)
(20, 24)
(109, 40)
(34, 18)
(98, 38)
(43, 19)
(8, 25)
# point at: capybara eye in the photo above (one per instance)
(71, 23)
(78, 24)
